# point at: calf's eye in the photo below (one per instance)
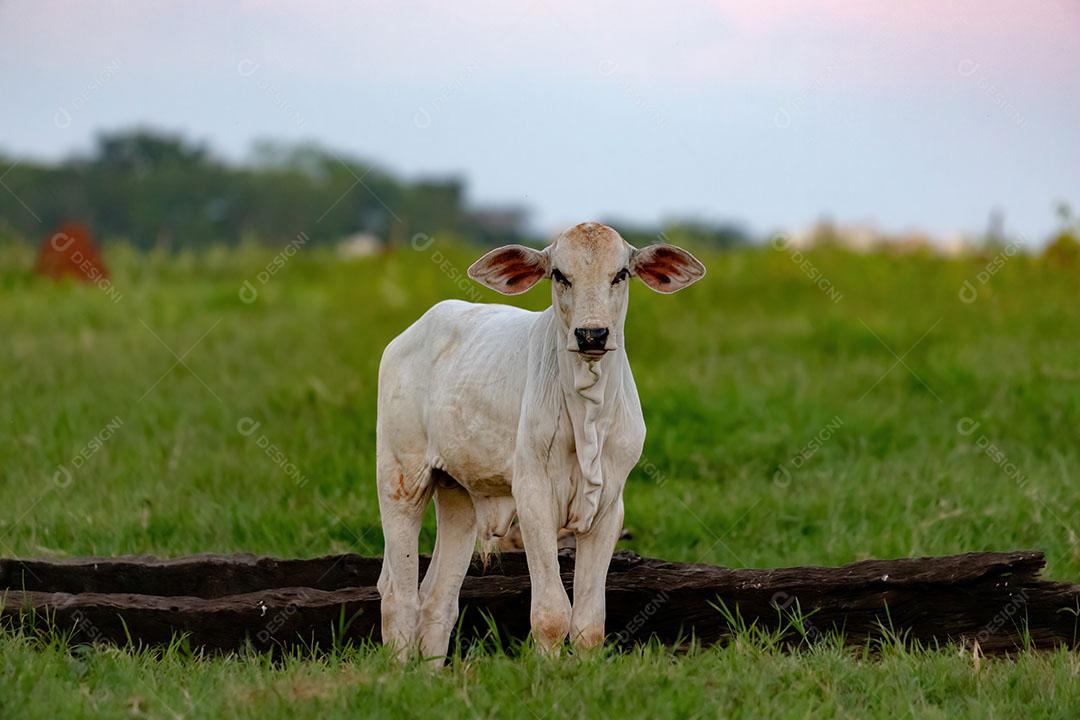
(620, 276)
(560, 278)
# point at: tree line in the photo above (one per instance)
(156, 189)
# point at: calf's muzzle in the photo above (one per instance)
(591, 340)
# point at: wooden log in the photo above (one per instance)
(211, 575)
(227, 602)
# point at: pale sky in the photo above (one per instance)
(909, 114)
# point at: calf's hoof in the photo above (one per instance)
(589, 637)
(549, 630)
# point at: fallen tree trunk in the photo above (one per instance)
(227, 602)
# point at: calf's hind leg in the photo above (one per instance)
(402, 499)
(455, 539)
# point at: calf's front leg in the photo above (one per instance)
(594, 551)
(549, 614)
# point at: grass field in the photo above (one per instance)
(783, 430)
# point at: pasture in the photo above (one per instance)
(814, 409)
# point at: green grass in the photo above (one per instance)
(738, 375)
(743, 680)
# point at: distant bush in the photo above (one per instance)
(1064, 249)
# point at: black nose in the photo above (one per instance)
(591, 338)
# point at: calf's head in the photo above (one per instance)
(590, 266)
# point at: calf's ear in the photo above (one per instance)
(511, 269)
(666, 268)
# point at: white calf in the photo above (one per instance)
(497, 410)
